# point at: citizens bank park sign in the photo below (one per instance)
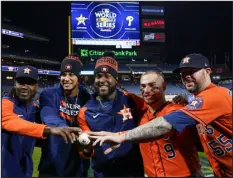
(94, 53)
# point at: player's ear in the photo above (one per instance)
(208, 71)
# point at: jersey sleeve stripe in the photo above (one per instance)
(193, 116)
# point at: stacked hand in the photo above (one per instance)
(114, 139)
(67, 133)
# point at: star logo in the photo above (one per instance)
(81, 19)
(104, 69)
(27, 70)
(68, 67)
(126, 113)
(186, 60)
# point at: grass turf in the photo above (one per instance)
(204, 162)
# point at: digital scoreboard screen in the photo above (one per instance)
(105, 23)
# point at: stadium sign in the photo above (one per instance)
(153, 37)
(153, 23)
(43, 72)
(12, 33)
(96, 53)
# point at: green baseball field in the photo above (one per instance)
(204, 162)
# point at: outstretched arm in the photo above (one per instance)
(160, 126)
(11, 122)
(153, 129)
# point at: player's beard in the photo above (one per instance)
(106, 95)
(191, 85)
(195, 89)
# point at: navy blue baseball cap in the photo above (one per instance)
(193, 61)
(27, 72)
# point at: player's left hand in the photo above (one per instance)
(180, 99)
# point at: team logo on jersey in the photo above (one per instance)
(126, 113)
(196, 103)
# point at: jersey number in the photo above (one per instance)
(170, 150)
(218, 150)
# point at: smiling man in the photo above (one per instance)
(168, 156)
(112, 110)
(59, 107)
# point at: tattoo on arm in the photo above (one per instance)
(151, 130)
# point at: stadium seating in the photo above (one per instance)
(168, 67)
(123, 68)
(144, 68)
(172, 89)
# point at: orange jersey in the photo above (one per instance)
(170, 156)
(212, 108)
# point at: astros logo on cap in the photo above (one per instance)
(186, 60)
(104, 69)
(68, 67)
(26, 70)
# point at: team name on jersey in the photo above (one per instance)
(208, 130)
(69, 109)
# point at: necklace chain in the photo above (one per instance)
(76, 100)
(102, 103)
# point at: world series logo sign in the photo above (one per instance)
(105, 20)
(105, 17)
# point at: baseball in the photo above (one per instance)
(83, 139)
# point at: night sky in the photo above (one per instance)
(191, 27)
